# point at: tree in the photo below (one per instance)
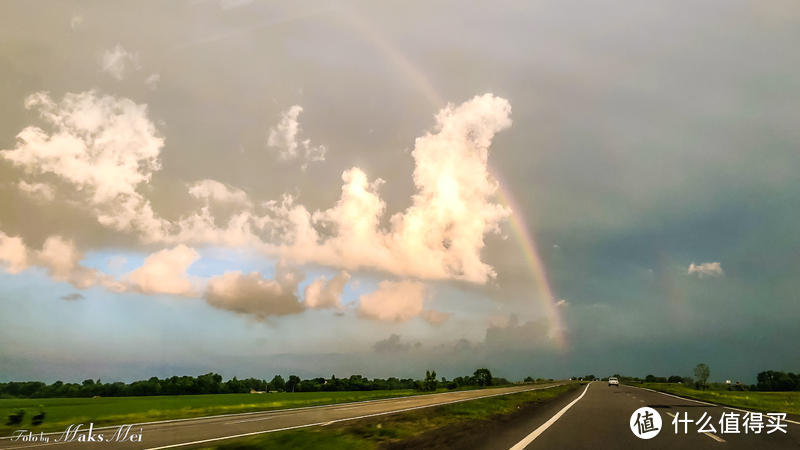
(701, 373)
(278, 383)
(429, 384)
(291, 385)
(483, 377)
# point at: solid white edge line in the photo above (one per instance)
(711, 435)
(670, 395)
(268, 411)
(529, 438)
(347, 419)
(706, 403)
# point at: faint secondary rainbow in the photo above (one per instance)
(419, 79)
(530, 250)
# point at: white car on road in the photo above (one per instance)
(613, 381)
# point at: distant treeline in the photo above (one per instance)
(770, 380)
(778, 381)
(211, 383)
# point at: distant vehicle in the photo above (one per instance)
(613, 381)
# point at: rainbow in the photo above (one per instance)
(530, 251)
(419, 79)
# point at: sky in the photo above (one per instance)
(547, 188)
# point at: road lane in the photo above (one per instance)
(207, 430)
(601, 420)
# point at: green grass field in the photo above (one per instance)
(787, 402)
(371, 433)
(60, 412)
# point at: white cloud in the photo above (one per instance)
(164, 272)
(284, 137)
(115, 61)
(107, 149)
(103, 146)
(441, 235)
(396, 301)
(562, 303)
(152, 81)
(252, 294)
(37, 190)
(62, 260)
(219, 192)
(13, 253)
(58, 256)
(710, 269)
(323, 293)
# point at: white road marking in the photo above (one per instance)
(709, 404)
(279, 410)
(529, 438)
(711, 435)
(347, 419)
(682, 398)
(249, 420)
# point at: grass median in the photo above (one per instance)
(786, 402)
(380, 431)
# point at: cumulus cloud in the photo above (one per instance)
(392, 344)
(37, 190)
(441, 235)
(709, 269)
(62, 259)
(396, 301)
(107, 149)
(284, 137)
(13, 253)
(254, 295)
(323, 293)
(103, 146)
(212, 190)
(58, 256)
(115, 61)
(562, 303)
(164, 272)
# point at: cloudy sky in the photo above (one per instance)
(544, 188)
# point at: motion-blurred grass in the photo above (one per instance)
(61, 412)
(370, 433)
(786, 402)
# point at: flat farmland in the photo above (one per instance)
(61, 412)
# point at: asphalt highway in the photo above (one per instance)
(208, 431)
(600, 420)
(595, 417)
